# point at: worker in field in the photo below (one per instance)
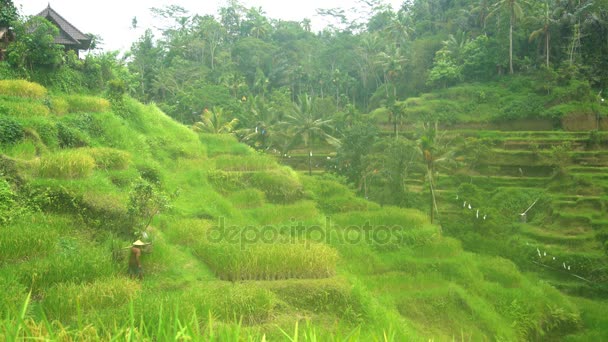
(135, 270)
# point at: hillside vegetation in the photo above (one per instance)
(241, 248)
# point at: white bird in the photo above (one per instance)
(545, 253)
(537, 250)
(456, 196)
(568, 268)
(470, 206)
(477, 214)
(563, 263)
(464, 204)
(553, 258)
(484, 217)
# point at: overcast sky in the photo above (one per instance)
(111, 19)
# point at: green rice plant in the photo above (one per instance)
(302, 211)
(333, 295)
(13, 293)
(59, 105)
(66, 301)
(86, 104)
(280, 186)
(217, 144)
(225, 181)
(73, 261)
(409, 219)
(251, 303)
(109, 158)
(264, 261)
(253, 162)
(247, 198)
(22, 88)
(22, 239)
(70, 164)
(26, 150)
(23, 108)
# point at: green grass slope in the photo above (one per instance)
(245, 248)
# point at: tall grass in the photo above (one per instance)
(109, 158)
(22, 88)
(70, 164)
(86, 104)
(262, 261)
(23, 108)
(254, 162)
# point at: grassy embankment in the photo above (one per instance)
(356, 271)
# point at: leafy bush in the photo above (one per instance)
(45, 128)
(22, 88)
(520, 108)
(70, 137)
(11, 130)
(66, 165)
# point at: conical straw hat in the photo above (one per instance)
(138, 243)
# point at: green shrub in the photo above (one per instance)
(66, 165)
(45, 128)
(22, 88)
(11, 130)
(70, 137)
(520, 108)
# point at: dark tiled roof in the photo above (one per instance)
(69, 35)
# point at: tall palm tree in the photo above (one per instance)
(545, 30)
(305, 124)
(515, 9)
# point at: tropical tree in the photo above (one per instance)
(34, 45)
(215, 121)
(547, 22)
(305, 124)
(515, 10)
(436, 152)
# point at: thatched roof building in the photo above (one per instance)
(69, 36)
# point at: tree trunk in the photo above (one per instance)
(511, 43)
(547, 37)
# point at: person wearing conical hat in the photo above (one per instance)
(135, 270)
